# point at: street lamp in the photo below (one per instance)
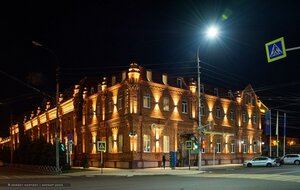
(212, 32)
(57, 102)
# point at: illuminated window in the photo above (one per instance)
(218, 146)
(165, 79)
(184, 106)
(166, 104)
(166, 144)
(179, 82)
(149, 75)
(218, 112)
(120, 142)
(120, 103)
(244, 117)
(254, 119)
(202, 110)
(146, 101)
(232, 115)
(109, 107)
(146, 144)
(232, 146)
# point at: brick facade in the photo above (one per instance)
(142, 116)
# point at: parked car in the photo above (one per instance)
(260, 161)
(1, 163)
(291, 159)
(276, 159)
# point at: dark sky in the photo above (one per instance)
(93, 38)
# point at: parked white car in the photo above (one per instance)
(291, 159)
(260, 161)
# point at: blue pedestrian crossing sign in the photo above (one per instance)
(275, 50)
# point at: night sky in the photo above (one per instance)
(102, 37)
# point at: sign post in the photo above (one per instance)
(189, 147)
(101, 147)
(69, 149)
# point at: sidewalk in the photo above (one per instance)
(93, 171)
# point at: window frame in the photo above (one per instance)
(218, 112)
(120, 103)
(166, 107)
(146, 143)
(184, 106)
(166, 144)
(146, 101)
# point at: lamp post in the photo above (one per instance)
(57, 105)
(212, 32)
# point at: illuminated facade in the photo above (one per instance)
(142, 115)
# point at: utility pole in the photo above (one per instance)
(199, 114)
(57, 128)
(57, 121)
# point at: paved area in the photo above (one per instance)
(92, 171)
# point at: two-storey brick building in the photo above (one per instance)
(142, 115)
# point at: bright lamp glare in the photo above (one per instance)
(212, 32)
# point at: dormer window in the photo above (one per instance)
(92, 90)
(252, 101)
(179, 82)
(165, 79)
(113, 80)
(216, 92)
(123, 75)
(202, 88)
(149, 75)
(246, 99)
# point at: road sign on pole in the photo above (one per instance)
(275, 49)
(101, 146)
(189, 145)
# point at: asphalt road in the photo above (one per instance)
(237, 178)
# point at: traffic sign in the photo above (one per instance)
(188, 145)
(101, 146)
(70, 145)
(275, 50)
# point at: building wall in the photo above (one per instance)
(125, 112)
